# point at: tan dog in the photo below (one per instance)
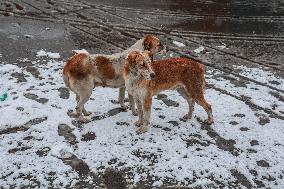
(83, 72)
(144, 79)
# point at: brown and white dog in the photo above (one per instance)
(83, 72)
(144, 79)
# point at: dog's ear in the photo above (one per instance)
(149, 54)
(131, 57)
(148, 42)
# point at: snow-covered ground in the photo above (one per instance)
(238, 148)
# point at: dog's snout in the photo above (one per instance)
(152, 75)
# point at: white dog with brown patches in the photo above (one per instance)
(144, 79)
(83, 72)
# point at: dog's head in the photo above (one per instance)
(153, 44)
(140, 64)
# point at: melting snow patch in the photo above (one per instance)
(199, 49)
(179, 44)
(157, 183)
(61, 151)
(49, 54)
(83, 51)
(8, 68)
(183, 153)
(24, 60)
(223, 46)
(261, 75)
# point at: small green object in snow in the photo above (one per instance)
(4, 96)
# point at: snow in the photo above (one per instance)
(261, 75)
(83, 51)
(42, 53)
(179, 44)
(199, 49)
(223, 46)
(61, 151)
(157, 183)
(168, 149)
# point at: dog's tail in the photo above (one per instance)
(66, 80)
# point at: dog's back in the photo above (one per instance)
(178, 71)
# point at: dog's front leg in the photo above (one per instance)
(140, 113)
(121, 97)
(146, 115)
(132, 104)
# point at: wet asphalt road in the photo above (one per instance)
(253, 31)
(256, 25)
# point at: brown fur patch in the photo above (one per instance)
(105, 68)
(76, 66)
(131, 58)
(175, 71)
(150, 41)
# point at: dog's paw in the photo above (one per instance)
(138, 123)
(187, 117)
(141, 130)
(84, 119)
(124, 108)
(134, 112)
(73, 114)
(209, 122)
(87, 113)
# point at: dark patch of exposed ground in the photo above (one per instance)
(167, 101)
(88, 136)
(24, 127)
(63, 93)
(36, 98)
(65, 131)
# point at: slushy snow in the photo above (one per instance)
(172, 149)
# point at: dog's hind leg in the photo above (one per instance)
(121, 97)
(200, 100)
(84, 111)
(207, 107)
(84, 91)
(75, 113)
(80, 107)
(197, 93)
(182, 91)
